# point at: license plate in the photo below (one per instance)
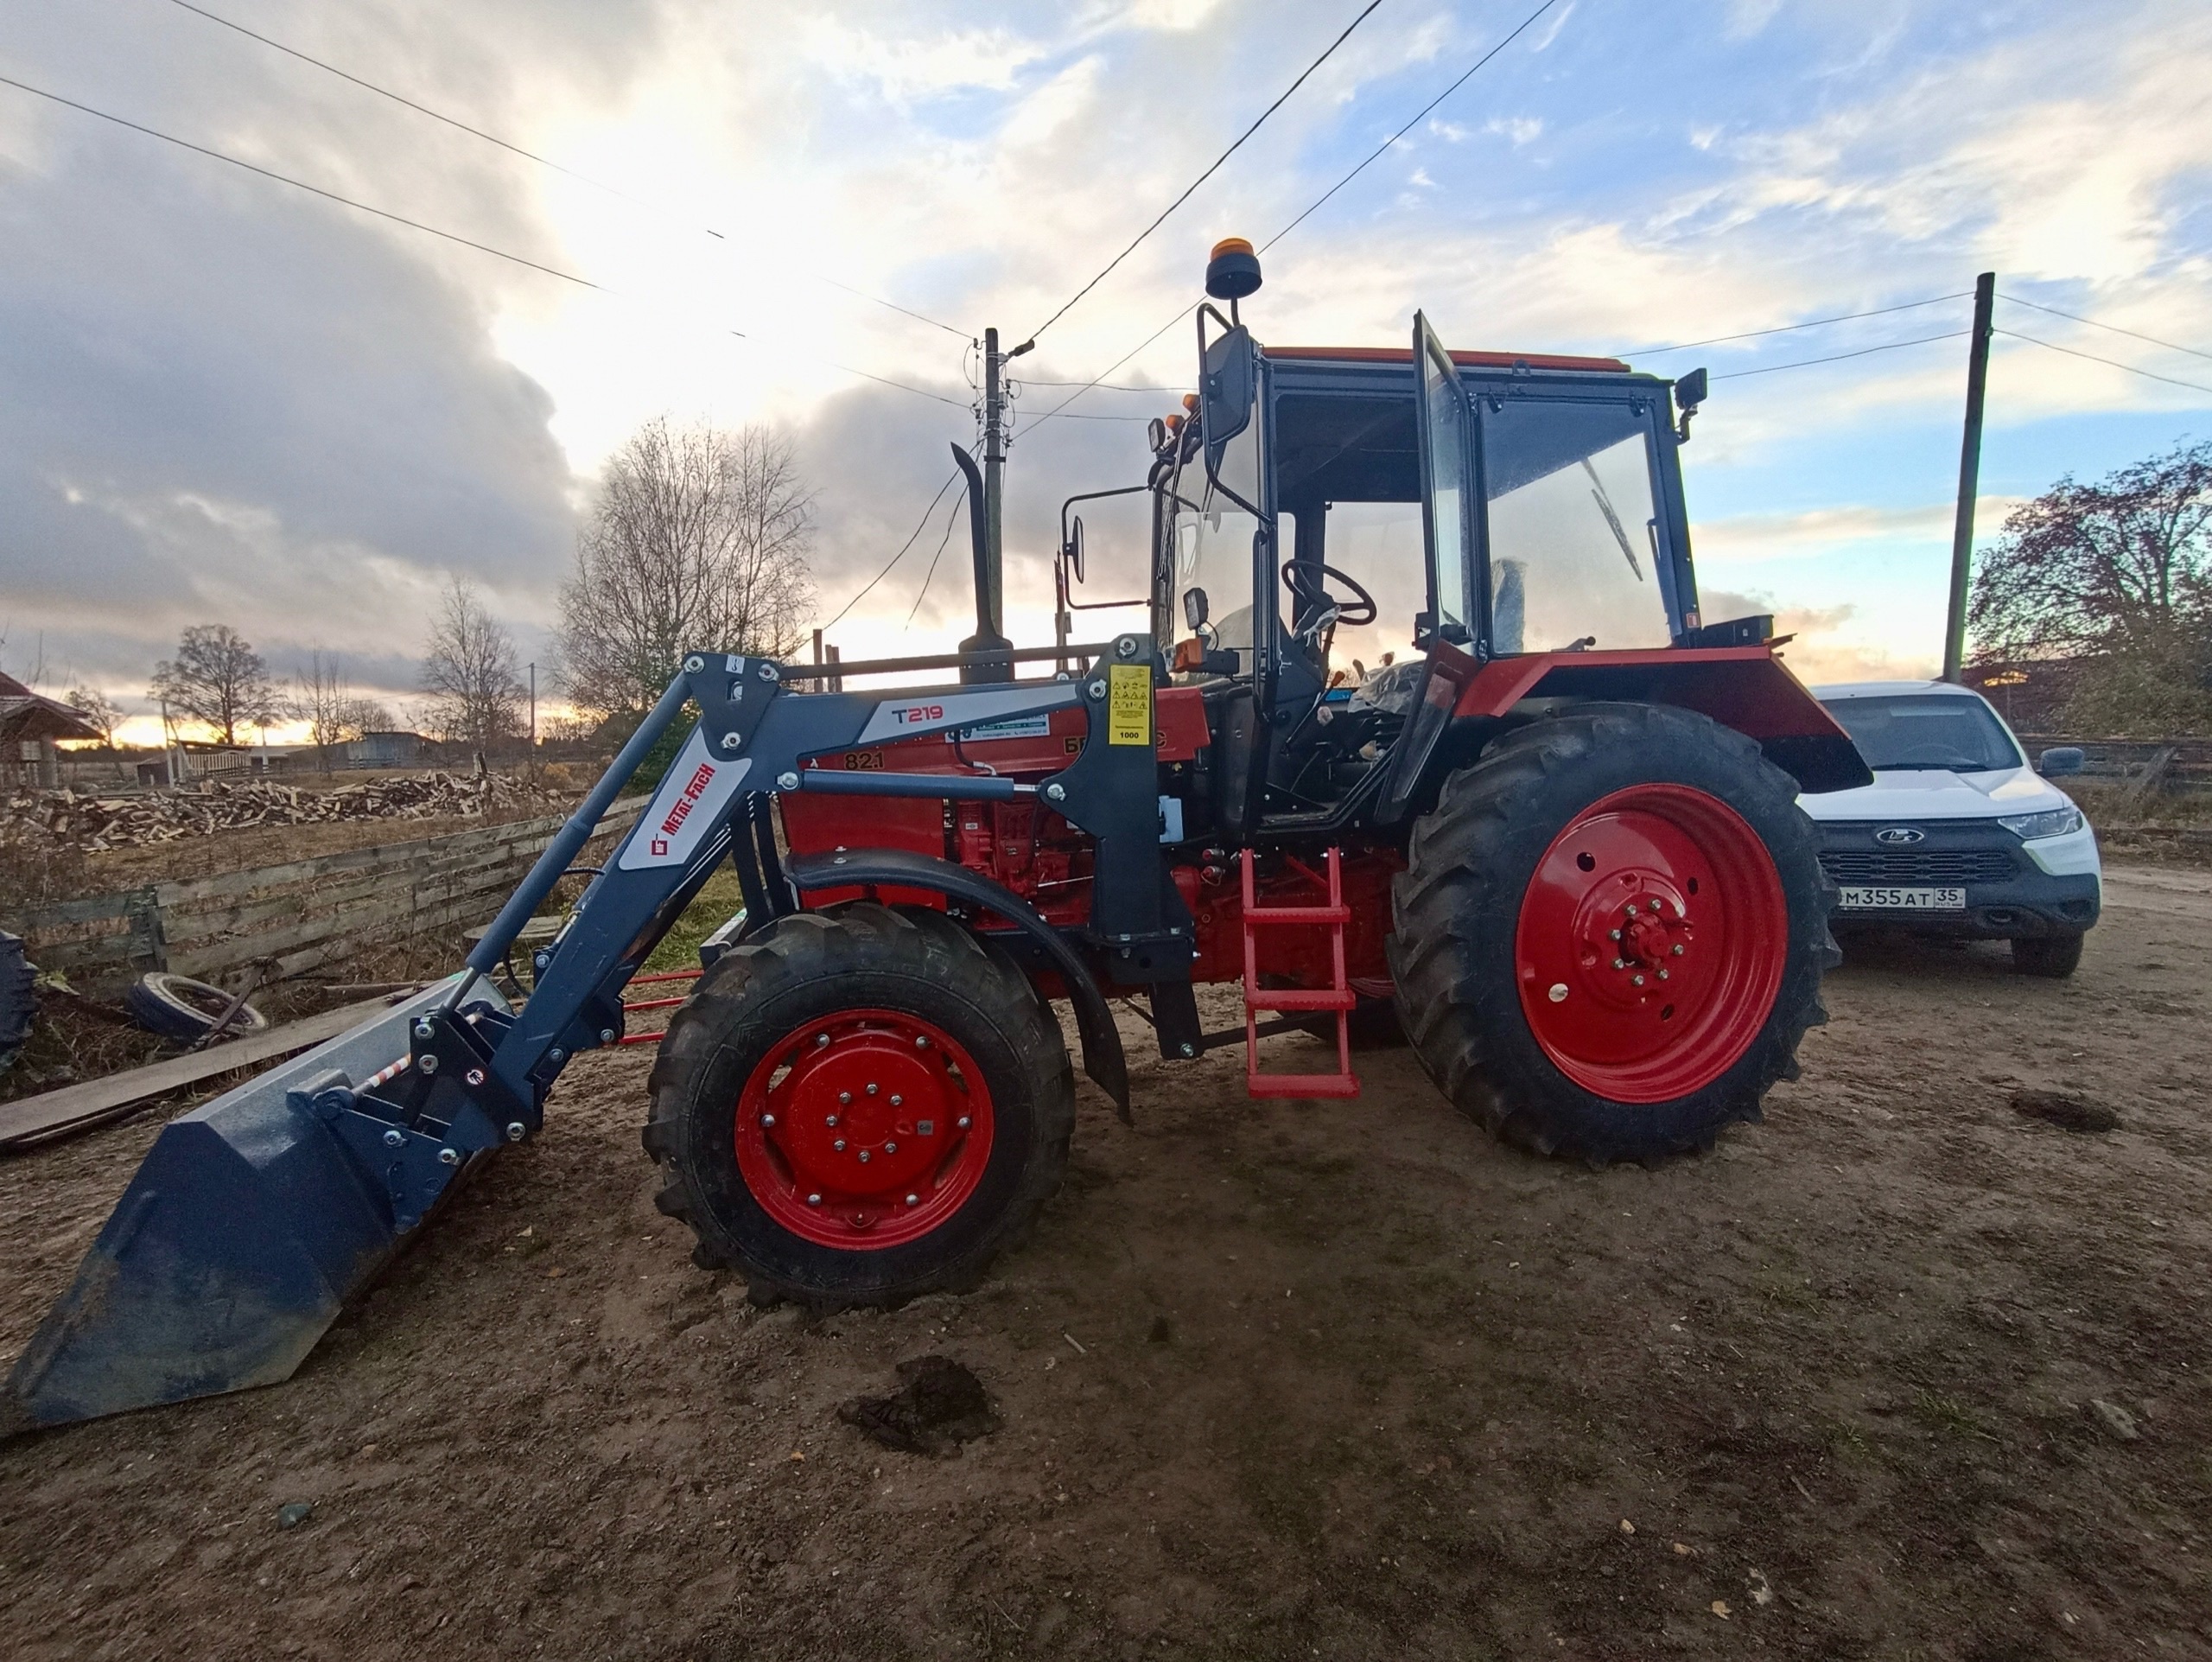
(1867, 897)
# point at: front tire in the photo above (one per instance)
(1611, 933)
(860, 1107)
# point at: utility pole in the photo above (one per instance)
(1955, 632)
(994, 363)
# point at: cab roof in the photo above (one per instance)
(1464, 359)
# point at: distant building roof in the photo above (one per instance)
(28, 715)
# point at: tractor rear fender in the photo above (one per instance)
(1102, 1058)
(1747, 688)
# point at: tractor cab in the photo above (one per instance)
(1326, 516)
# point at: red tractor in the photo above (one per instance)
(1425, 738)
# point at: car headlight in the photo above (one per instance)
(2052, 822)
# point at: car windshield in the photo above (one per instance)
(1927, 730)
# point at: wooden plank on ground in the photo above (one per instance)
(54, 1111)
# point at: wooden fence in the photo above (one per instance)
(291, 918)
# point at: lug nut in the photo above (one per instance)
(1636, 979)
(891, 1147)
(896, 1099)
(863, 1157)
(1662, 975)
(871, 1087)
(962, 1122)
(1616, 934)
(1678, 949)
(767, 1119)
(814, 1199)
(1620, 964)
(913, 1200)
(1559, 992)
(830, 1119)
(839, 1145)
(921, 1041)
(844, 1096)
(820, 1040)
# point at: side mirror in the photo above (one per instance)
(1073, 552)
(1226, 389)
(2061, 762)
(1195, 613)
(1689, 394)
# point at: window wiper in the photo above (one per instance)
(1613, 520)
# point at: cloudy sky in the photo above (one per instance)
(223, 398)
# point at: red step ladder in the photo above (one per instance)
(1338, 998)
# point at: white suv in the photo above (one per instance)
(1957, 835)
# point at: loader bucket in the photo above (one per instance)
(247, 1228)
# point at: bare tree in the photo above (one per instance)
(469, 672)
(359, 716)
(98, 709)
(217, 680)
(699, 537)
(320, 696)
(2119, 575)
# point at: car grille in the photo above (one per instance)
(1893, 867)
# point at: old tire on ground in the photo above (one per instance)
(2057, 956)
(1526, 1007)
(791, 1170)
(177, 1007)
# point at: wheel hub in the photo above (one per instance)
(1651, 943)
(864, 1130)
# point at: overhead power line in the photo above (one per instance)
(930, 576)
(1409, 126)
(1837, 358)
(1791, 328)
(2114, 363)
(919, 526)
(428, 229)
(2170, 346)
(460, 126)
(1213, 167)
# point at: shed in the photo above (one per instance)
(30, 725)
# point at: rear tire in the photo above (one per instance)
(1520, 883)
(2056, 955)
(760, 1127)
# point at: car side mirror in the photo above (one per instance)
(2061, 762)
(1194, 608)
(1226, 389)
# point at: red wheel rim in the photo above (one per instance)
(864, 1130)
(1651, 943)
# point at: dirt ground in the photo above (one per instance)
(1278, 1379)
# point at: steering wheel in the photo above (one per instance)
(1303, 577)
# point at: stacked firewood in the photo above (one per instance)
(93, 822)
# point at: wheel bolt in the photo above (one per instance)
(1638, 979)
(962, 1122)
(1662, 975)
(767, 1119)
(1558, 994)
(891, 1147)
(896, 1099)
(839, 1145)
(1678, 949)
(1620, 964)
(871, 1087)
(921, 1041)
(844, 1096)
(820, 1040)
(1616, 934)
(814, 1199)
(913, 1200)
(829, 1119)
(863, 1157)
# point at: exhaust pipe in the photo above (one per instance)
(989, 651)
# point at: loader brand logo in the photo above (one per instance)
(682, 812)
(689, 802)
(891, 720)
(1128, 704)
(1899, 836)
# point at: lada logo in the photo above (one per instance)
(1899, 836)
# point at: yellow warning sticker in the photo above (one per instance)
(1128, 704)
